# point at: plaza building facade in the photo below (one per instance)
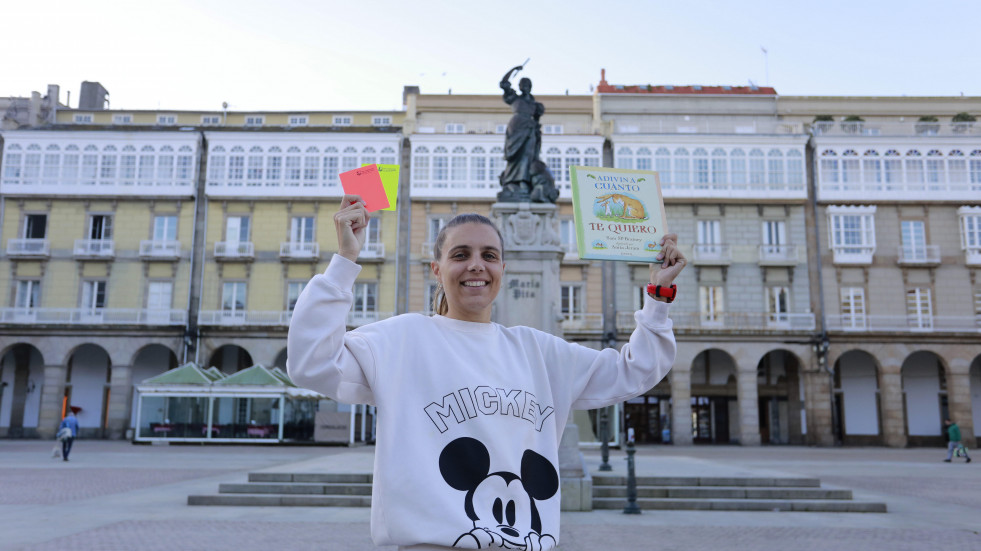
(790, 329)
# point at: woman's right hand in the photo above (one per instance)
(351, 224)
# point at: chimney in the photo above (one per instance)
(34, 110)
(52, 101)
(93, 97)
(407, 91)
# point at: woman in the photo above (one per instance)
(470, 413)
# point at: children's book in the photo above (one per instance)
(619, 213)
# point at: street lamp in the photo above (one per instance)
(604, 421)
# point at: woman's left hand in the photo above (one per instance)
(674, 262)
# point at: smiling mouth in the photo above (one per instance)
(474, 283)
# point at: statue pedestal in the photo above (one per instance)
(530, 296)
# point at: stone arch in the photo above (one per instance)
(150, 360)
(779, 389)
(280, 360)
(230, 358)
(87, 387)
(714, 397)
(21, 381)
(857, 401)
(924, 386)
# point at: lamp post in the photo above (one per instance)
(631, 508)
(604, 420)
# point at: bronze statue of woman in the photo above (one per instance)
(523, 140)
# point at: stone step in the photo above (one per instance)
(765, 482)
(300, 488)
(796, 505)
(721, 492)
(255, 500)
(316, 478)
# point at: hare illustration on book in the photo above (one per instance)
(619, 206)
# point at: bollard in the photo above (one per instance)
(631, 508)
(604, 427)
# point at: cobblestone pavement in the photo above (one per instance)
(116, 496)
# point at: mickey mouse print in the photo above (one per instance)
(502, 505)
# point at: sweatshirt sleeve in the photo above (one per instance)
(603, 377)
(320, 354)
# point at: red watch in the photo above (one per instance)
(659, 291)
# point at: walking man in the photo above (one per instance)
(954, 434)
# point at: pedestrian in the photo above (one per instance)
(954, 441)
(67, 432)
(470, 413)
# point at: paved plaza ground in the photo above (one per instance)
(117, 496)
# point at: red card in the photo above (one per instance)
(366, 182)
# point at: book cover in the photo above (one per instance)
(619, 213)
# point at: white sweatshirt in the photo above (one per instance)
(469, 414)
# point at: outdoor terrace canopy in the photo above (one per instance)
(193, 404)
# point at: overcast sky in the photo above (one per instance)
(358, 54)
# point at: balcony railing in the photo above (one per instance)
(928, 255)
(576, 323)
(903, 324)
(28, 248)
(95, 248)
(853, 254)
(372, 251)
(876, 128)
(84, 316)
(244, 317)
(234, 250)
(711, 255)
(294, 250)
(972, 256)
(152, 249)
(754, 321)
(357, 319)
(779, 255)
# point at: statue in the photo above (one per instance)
(525, 178)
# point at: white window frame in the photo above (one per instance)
(165, 227)
(365, 297)
(572, 300)
(711, 305)
(255, 120)
(166, 120)
(342, 120)
(381, 121)
(210, 120)
(238, 292)
(455, 128)
(103, 233)
(303, 229)
(919, 308)
(853, 311)
(913, 240)
(154, 295)
(298, 120)
(94, 295)
(293, 290)
(27, 294)
(551, 129)
(121, 118)
(83, 118)
(839, 234)
(28, 230)
(778, 305)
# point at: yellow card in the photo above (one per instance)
(390, 181)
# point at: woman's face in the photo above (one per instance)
(470, 270)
